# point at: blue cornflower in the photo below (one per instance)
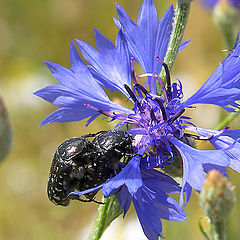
(160, 129)
(212, 3)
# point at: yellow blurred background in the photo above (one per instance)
(32, 32)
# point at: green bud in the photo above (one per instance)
(225, 18)
(224, 14)
(217, 197)
(5, 132)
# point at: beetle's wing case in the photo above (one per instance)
(70, 162)
(59, 181)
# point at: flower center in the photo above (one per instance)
(153, 117)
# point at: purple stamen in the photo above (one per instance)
(198, 137)
(162, 108)
(168, 79)
(144, 90)
(152, 114)
(134, 81)
(130, 92)
(152, 83)
(175, 116)
(132, 63)
(163, 88)
(91, 107)
(108, 114)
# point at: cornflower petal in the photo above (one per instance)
(164, 183)
(110, 64)
(148, 38)
(130, 176)
(148, 214)
(72, 94)
(152, 204)
(226, 140)
(230, 141)
(69, 115)
(223, 86)
(58, 95)
(124, 199)
(160, 183)
(193, 164)
(209, 167)
(183, 45)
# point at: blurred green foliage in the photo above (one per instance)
(33, 31)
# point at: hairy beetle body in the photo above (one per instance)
(80, 164)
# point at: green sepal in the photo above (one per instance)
(202, 230)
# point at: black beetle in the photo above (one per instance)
(80, 164)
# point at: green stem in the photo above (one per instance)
(219, 230)
(229, 37)
(179, 23)
(227, 120)
(107, 212)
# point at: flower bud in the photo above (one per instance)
(224, 14)
(217, 197)
(5, 132)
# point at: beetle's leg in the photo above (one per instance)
(92, 134)
(75, 197)
(93, 200)
(90, 200)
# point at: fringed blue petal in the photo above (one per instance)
(193, 164)
(148, 38)
(124, 199)
(111, 64)
(58, 95)
(152, 205)
(158, 180)
(183, 45)
(79, 194)
(69, 115)
(226, 140)
(148, 214)
(209, 167)
(223, 86)
(77, 89)
(73, 104)
(130, 176)
(230, 141)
